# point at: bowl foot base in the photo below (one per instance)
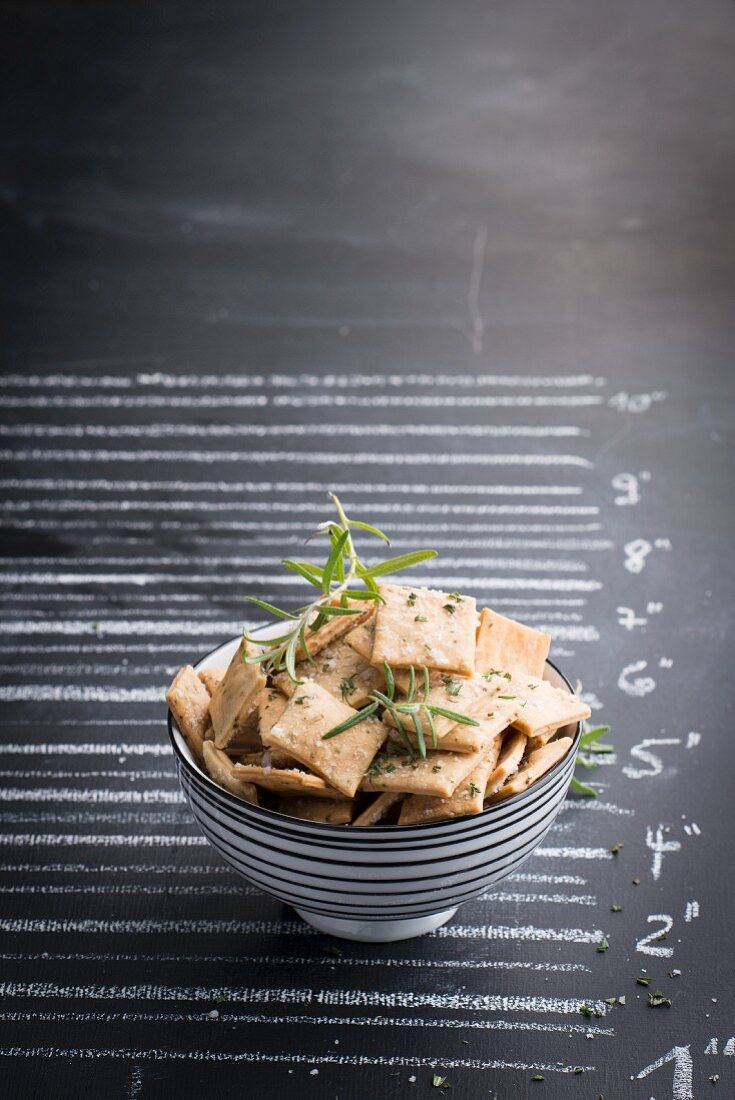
(377, 931)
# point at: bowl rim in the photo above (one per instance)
(247, 809)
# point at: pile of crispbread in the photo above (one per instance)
(261, 737)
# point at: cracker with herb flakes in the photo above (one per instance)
(341, 671)
(379, 808)
(362, 637)
(334, 628)
(542, 708)
(219, 766)
(538, 763)
(188, 700)
(471, 696)
(468, 798)
(271, 705)
(504, 643)
(342, 760)
(511, 754)
(494, 718)
(317, 809)
(234, 699)
(266, 758)
(286, 781)
(424, 627)
(211, 677)
(438, 774)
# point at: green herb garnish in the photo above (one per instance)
(655, 1000)
(603, 944)
(346, 687)
(420, 619)
(643, 981)
(616, 908)
(336, 581)
(412, 597)
(440, 1082)
(410, 709)
(449, 608)
(616, 847)
(588, 1010)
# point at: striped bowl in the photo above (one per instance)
(379, 883)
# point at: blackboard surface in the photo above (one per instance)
(472, 266)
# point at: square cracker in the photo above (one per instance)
(445, 641)
(472, 696)
(438, 775)
(234, 699)
(271, 705)
(460, 738)
(542, 708)
(504, 643)
(286, 781)
(211, 677)
(342, 760)
(511, 754)
(362, 637)
(539, 762)
(335, 628)
(317, 809)
(468, 798)
(378, 808)
(188, 700)
(341, 671)
(219, 766)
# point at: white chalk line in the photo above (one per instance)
(285, 530)
(538, 899)
(300, 1019)
(116, 840)
(573, 805)
(91, 795)
(426, 401)
(21, 748)
(343, 998)
(132, 775)
(211, 926)
(316, 458)
(166, 380)
(46, 819)
(84, 649)
(331, 961)
(255, 561)
(142, 579)
(156, 1054)
(78, 693)
(296, 431)
(87, 670)
(238, 488)
(574, 853)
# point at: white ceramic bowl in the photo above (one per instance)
(381, 883)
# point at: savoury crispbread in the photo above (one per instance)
(188, 700)
(334, 628)
(378, 808)
(271, 705)
(511, 754)
(472, 696)
(234, 699)
(341, 671)
(362, 637)
(219, 766)
(503, 643)
(436, 775)
(542, 708)
(286, 780)
(538, 763)
(462, 738)
(468, 798)
(342, 760)
(424, 627)
(211, 677)
(318, 809)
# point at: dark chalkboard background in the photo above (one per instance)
(467, 264)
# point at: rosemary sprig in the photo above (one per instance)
(338, 582)
(589, 742)
(411, 708)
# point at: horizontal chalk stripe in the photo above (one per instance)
(205, 926)
(90, 794)
(256, 561)
(286, 530)
(426, 401)
(166, 380)
(347, 998)
(238, 488)
(264, 431)
(159, 1055)
(331, 961)
(78, 693)
(272, 507)
(115, 840)
(316, 458)
(452, 581)
(26, 748)
(301, 1019)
